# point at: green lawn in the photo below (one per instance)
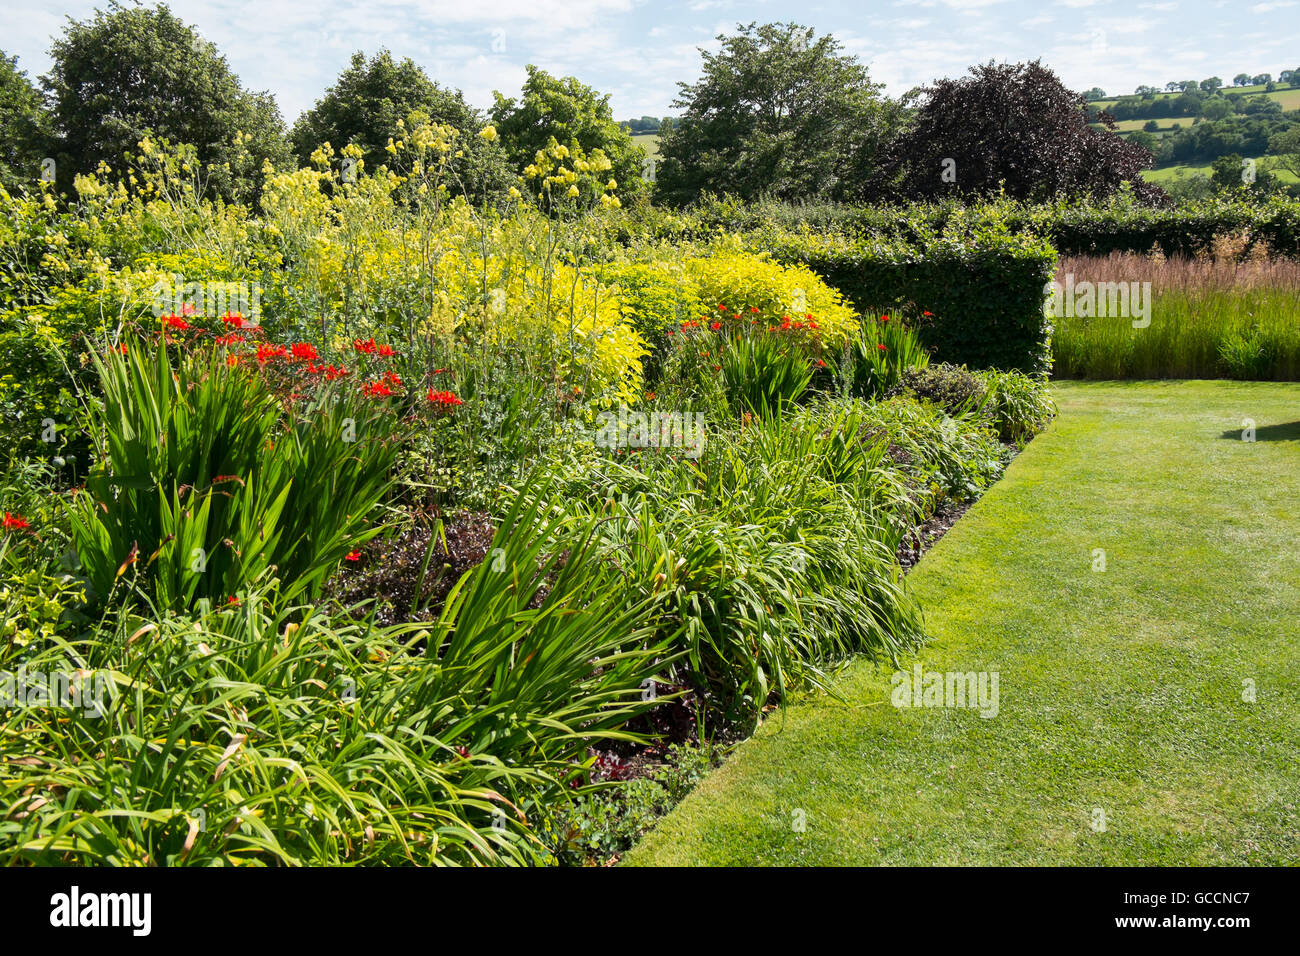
(1119, 691)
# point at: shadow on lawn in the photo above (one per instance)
(1288, 432)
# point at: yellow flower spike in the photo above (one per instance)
(573, 192)
(612, 184)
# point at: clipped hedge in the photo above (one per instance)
(1074, 228)
(976, 297)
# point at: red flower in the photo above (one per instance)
(331, 373)
(369, 348)
(175, 322)
(353, 556)
(303, 350)
(715, 326)
(722, 308)
(884, 318)
(267, 352)
(753, 308)
(15, 522)
(717, 368)
(233, 318)
(928, 314)
(187, 309)
(230, 339)
(377, 389)
(821, 363)
(232, 600)
(393, 378)
(386, 349)
(881, 347)
(463, 751)
(446, 400)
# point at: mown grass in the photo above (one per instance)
(1120, 690)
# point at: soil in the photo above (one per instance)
(922, 539)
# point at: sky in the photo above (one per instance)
(637, 50)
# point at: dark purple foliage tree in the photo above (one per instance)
(1012, 127)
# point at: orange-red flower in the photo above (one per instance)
(15, 522)
(444, 399)
(353, 556)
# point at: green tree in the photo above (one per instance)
(1211, 85)
(776, 112)
(1285, 147)
(372, 96)
(136, 70)
(24, 126)
(572, 113)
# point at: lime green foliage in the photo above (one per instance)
(1109, 679)
(261, 734)
(743, 281)
(201, 485)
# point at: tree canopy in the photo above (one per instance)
(372, 96)
(574, 115)
(24, 125)
(1012, 128)
(130, 71)
(776, 112)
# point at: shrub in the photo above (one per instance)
(953, 388)
(975, 296)
(769, 292)
(654, 297)
(1019, 406)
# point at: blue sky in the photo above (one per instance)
(636, 50)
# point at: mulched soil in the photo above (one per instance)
(922, 539)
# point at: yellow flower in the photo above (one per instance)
(514, 193)
(573, 191)
(612, 184)
(488, 133)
